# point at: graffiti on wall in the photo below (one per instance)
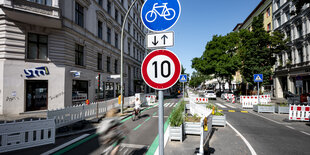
(10, 99)
(30, 73)
(56, 96)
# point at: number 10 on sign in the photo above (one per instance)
(161, 69)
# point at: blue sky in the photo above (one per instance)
(201, 19)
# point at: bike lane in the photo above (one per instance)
(142, 133)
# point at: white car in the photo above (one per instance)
(210, 94)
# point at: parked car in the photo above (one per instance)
(210, 94)
(305, 98)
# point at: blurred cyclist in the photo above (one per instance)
(111, 133)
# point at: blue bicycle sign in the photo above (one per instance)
(160, 15)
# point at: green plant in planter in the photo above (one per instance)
(267, 105)
(218, 114)
(282, 104)
(176, 118)
(194, 118)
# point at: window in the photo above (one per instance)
(100, 2)
(108, 64)
(134, 33)
(43, 2)
(79, 14)
(299, 30)
(122, 19)
(116, 15)
(37, 46)
(109, 35)
(100, 29)
(289, 56)
(99, 61)
(134, 51)
(116, 40)
(129, 48)
(287, 15)
(134, 16)
(288, 33)
(278, 4)
(268, 12)
(115, 66)
(79, 55)
(129, 27)
(278, 21)
(269, 27)
(300, 55)
(109, 7)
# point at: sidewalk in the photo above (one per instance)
(223, 140)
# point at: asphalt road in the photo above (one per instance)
(267, 137)
(142, 133)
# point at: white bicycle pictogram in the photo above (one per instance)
(167, 13)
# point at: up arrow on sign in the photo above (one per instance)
(156, 40)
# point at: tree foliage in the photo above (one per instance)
(197, 79)
(250, 52)
(257, 51)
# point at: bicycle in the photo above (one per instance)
(135, 114)
(166, 12)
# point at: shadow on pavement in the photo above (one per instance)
(209, 150)
(138, 151)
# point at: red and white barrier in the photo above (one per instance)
(150, 99)
(233, 99)
(249, 101)
(201, 100)
(299, 112)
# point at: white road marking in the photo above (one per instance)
(290, 127)
(65, 145)
(165, 105)
(245, 141)
(305, 133)
(230, 106)
(268, 119)
(172, 104)
(175, 104)
(222, 106)
(136, 146)
(168, 104)
(164, 116)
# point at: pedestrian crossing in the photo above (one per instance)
(168, 105)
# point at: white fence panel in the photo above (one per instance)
(25, 134)
(299, 112)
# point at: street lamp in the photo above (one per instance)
(122, 51)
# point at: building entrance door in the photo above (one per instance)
(36, 95)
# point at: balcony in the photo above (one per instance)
(32, 12)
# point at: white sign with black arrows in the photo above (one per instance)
(155, 40)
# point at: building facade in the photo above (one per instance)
(292, 70)
(58, 53)
(264, 8)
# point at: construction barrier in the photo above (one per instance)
(150, 99)
(249, 101)
(299, 112)
(201, 100)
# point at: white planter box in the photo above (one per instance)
(259, 108)
(192, 128)
(282, 110)
(176, 133)
(219, 120)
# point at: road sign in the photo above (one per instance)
(299, 83)
(155, 40)
(258, 77)
(160, 15)
(161, 69)
(183, 78)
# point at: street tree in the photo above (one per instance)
(257, 51)
(219, 58)
(197, 78)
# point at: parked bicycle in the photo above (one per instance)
(167, 13)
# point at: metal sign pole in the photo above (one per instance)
(183, 91)
(258, 92)
(161, 121)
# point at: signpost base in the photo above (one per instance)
(161, 121)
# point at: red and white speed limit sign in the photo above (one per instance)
(161, 69)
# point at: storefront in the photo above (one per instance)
(36, 95)
(79, 91)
